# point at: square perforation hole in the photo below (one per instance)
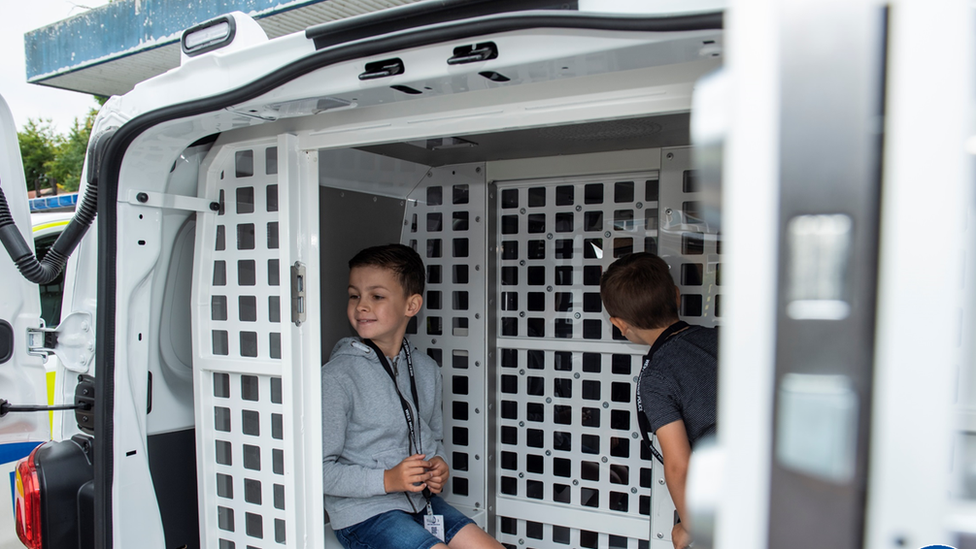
(623, 191)
(564, 195)
(537, 197)
(564, 222)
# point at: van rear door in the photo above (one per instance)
(22, 376)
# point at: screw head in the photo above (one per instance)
(576, 375)
(521, 314)
(477, 219)
(575, 482)
(607, 234)
(577, 316)
(670, 156)
(640, 205)
(521, 475)
(477, 316)
(143, 198)
(215, 206)
(521, 210)
(548, 288)
(548, 400)
(604, 459)
(660, 481)
(522, 263)
(633, 490)
(548, 453)
(579, 208)
(477, 169)
(522, 372)
(659, 534)
(606, 404)
(634, 436)
(549, 236)
(521, 424)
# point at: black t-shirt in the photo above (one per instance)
(681, 382)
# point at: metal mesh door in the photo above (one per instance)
(251, 474)
(571, 470)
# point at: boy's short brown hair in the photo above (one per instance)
(638, 288)
(404, 261)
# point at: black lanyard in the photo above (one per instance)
(415, 440)
(645, 425)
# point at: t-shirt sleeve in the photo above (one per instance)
(659, 400)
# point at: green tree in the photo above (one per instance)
(48, 155)
(37, 148)
(69, 154)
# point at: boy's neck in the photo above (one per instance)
(650, 336)
(391, 347)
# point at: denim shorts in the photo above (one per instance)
(402, 530)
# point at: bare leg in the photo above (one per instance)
(472, 537)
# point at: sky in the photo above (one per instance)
(30, 100)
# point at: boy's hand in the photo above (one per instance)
(680, 537)
(410, 475)
(439, 472)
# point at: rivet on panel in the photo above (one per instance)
(607, 234)
(522, 211)
(633, 490)
(670, 156)
(604, 459)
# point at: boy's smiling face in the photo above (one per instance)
(377, 308)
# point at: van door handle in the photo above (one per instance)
(485, 52)
(382, 69)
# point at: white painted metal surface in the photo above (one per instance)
(257, 419)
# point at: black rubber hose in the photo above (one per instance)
(47, 270)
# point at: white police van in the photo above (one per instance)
(520, 147)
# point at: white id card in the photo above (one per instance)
(435, 525)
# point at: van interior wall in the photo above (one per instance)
(350, 221)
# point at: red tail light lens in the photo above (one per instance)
(27, 503)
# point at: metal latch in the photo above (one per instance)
(298, 293)
(473, 54)
(72, 341)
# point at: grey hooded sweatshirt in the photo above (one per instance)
(364, 431)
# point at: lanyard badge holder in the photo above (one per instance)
(432, 523)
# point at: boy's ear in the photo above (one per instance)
(414, 303)
(620, 323)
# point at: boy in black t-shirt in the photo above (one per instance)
(678, 382)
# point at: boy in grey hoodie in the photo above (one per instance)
(383, 459)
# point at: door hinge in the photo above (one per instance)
(298, 304)
(72, 341)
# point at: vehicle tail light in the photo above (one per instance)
(27, 503)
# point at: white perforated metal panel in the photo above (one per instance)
(446, 222)
(571, 470)
(253, 477)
